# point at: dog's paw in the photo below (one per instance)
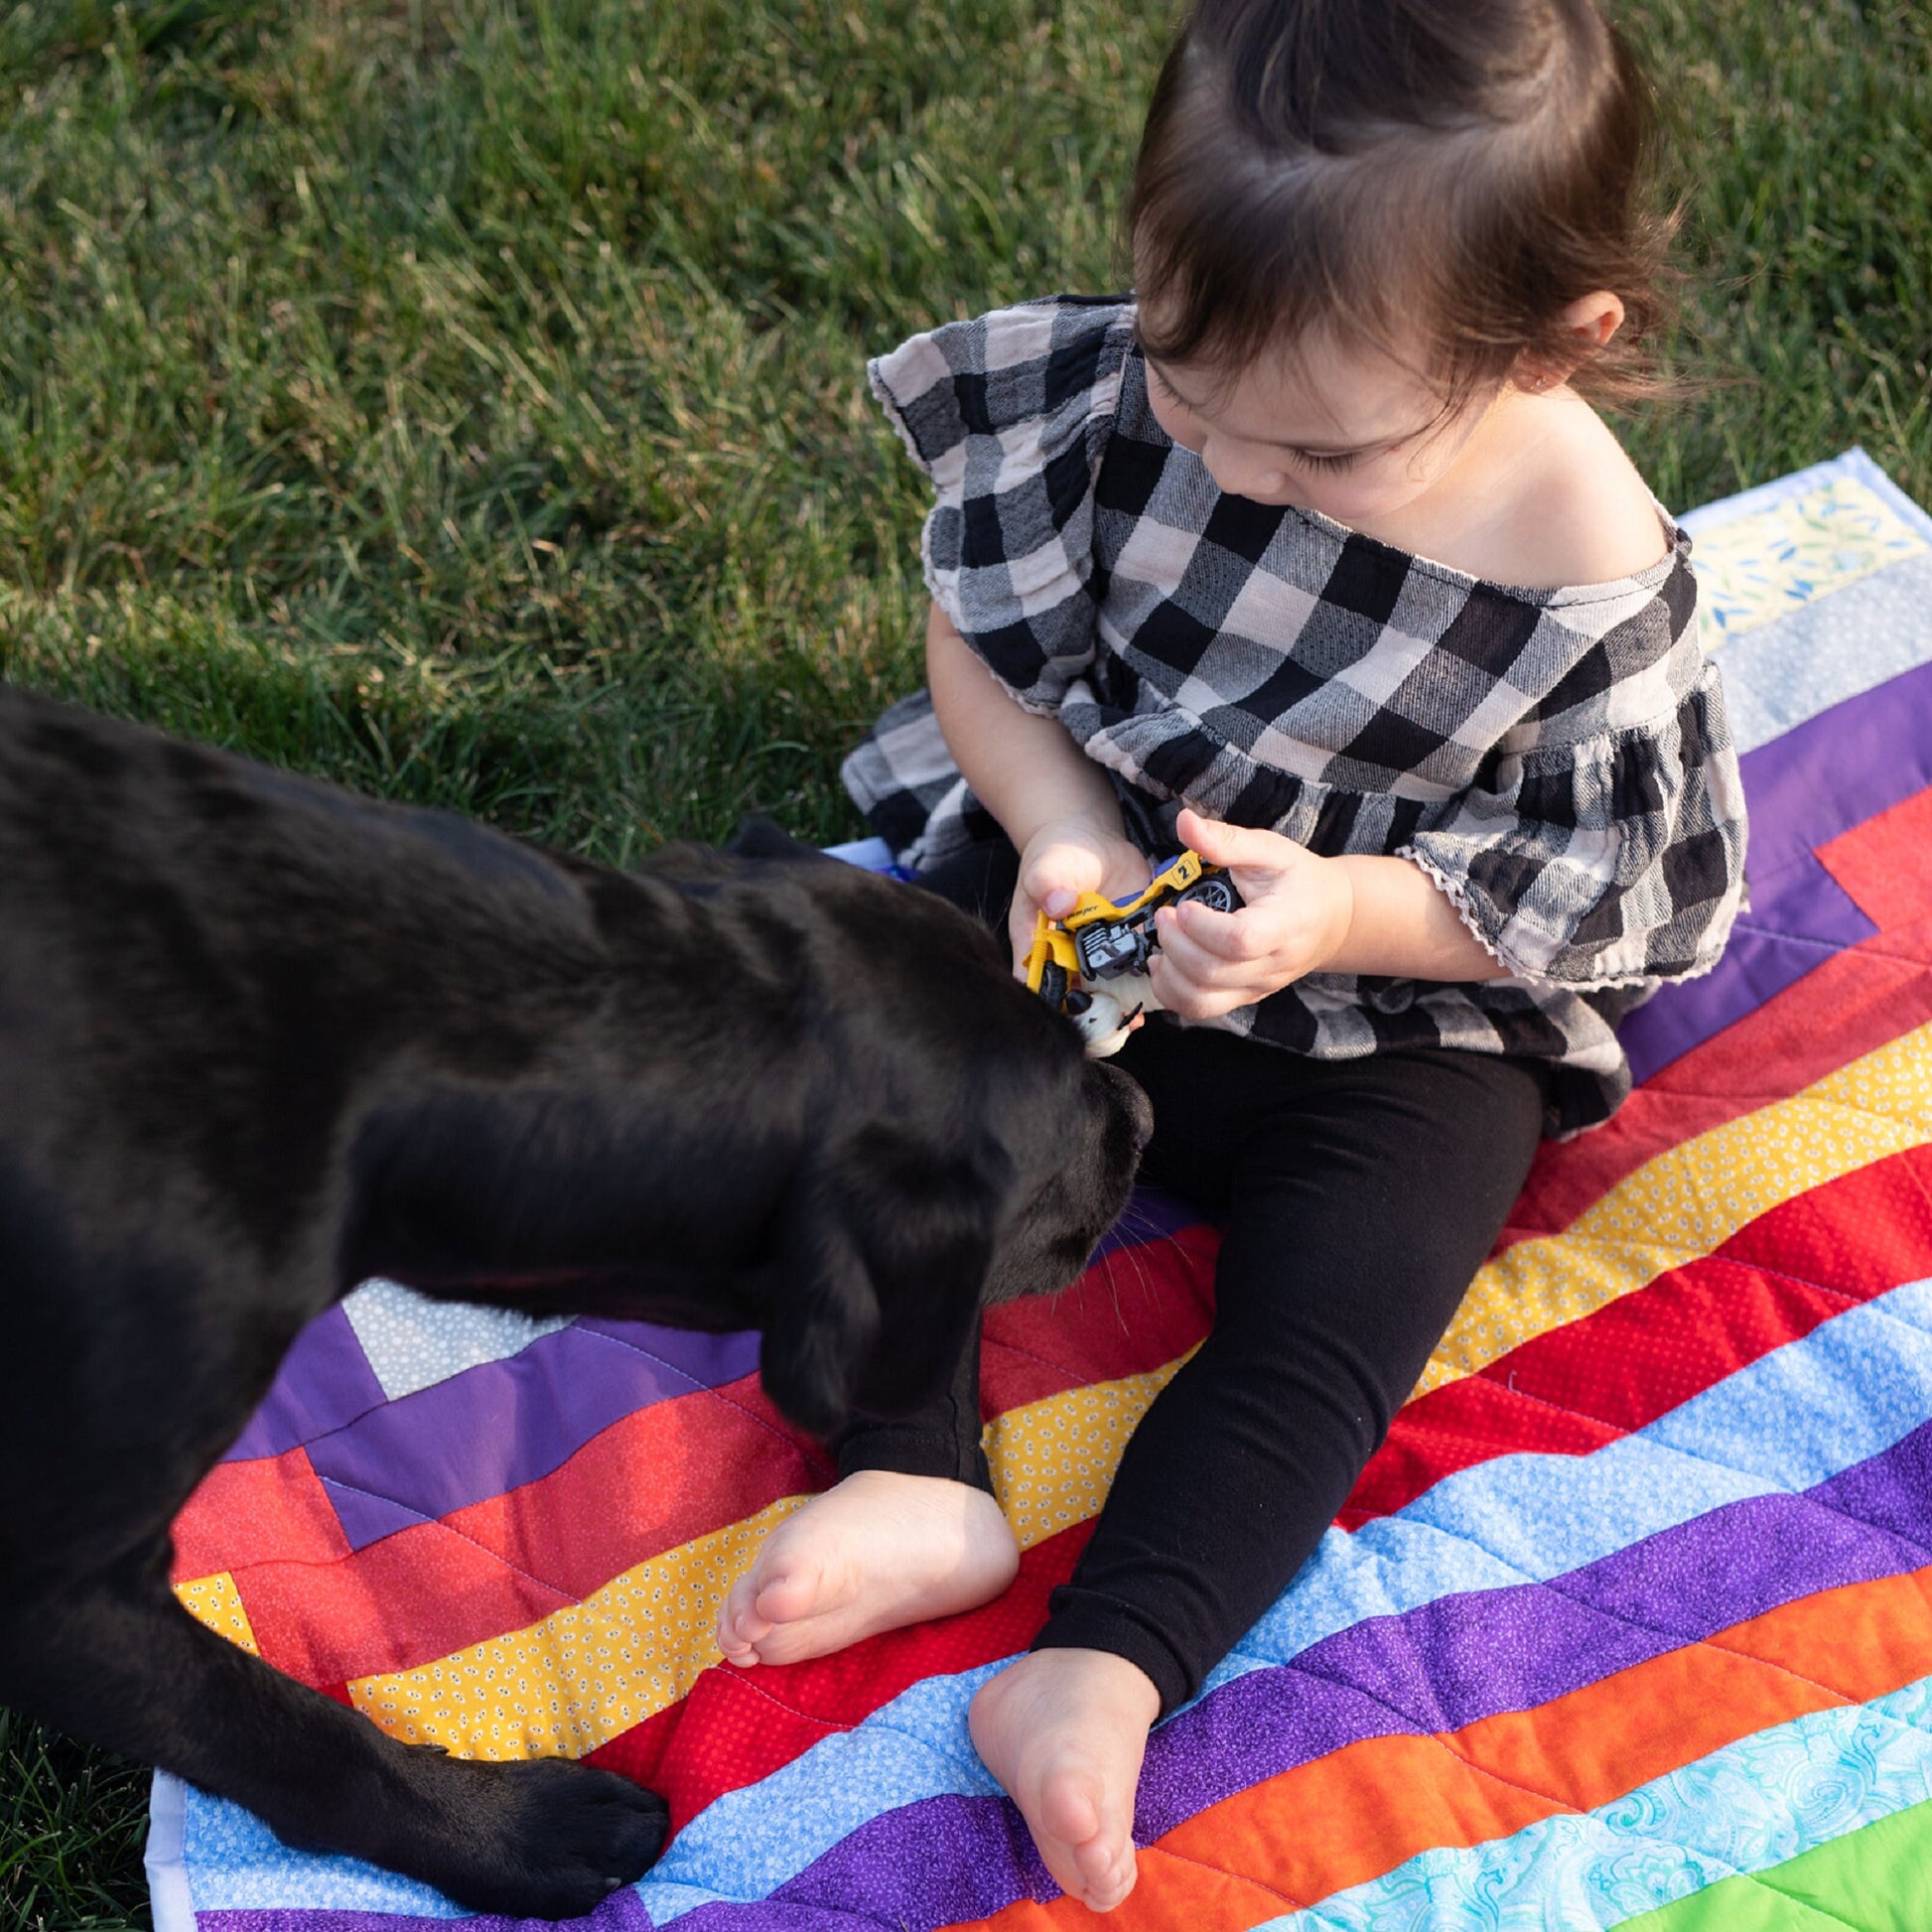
(552, 1839)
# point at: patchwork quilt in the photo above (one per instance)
(1630, 1623)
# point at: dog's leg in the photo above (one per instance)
(117, 1660)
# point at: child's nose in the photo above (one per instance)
(1238, 476)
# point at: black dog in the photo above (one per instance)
(260, 1038)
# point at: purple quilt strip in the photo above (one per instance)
(499, 1424)
(327, 1389)
(1805, 788)
(325, 1381)
(1439, 1667)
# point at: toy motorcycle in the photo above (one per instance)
(1092, 964)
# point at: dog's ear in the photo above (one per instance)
(933, 1224)
(883, 1261)
(824, 1316)
(758, 837)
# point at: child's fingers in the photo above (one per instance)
(1237, 937)
(1021, 917)
(1055, 875)
(1056, 879)
(1221, 844)
(1199, 965)
(1217, 960)
(1228, 935)
(1189, 998)
(1179, 955)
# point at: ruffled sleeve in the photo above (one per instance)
(1614, 860)
(1009, 415)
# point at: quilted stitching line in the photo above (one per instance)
(742, 1681)
(812, 1455)
(870, 1721)
(814, 1458)
(1846, 1300)
(1440, 1731)
(443, 1522)
(1436, 1731)
(1845, 1699)
(424, 1520)
(1879, 1312)
(1554, 1584)
(1762, 1880)
(1439, 1735)
(1762, 1877)
(716, 1394)
(1323, 1914)
(1730, 1871)
(1707, 1641)
(1920, 1183)
(1227, 1872)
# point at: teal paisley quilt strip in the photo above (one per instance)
(1755, 1804)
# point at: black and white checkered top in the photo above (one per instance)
(1557, 760)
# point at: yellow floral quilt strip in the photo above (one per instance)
(1690, 1200)
(1765, 565)
(217, 1601)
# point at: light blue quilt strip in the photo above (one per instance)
(1793, 1419)
(1834, 642)
(1757, 1803)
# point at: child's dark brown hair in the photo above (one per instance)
(1449, 173)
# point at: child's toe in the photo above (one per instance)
(1107, 1872)
(1069, 1807)
(789, 1597)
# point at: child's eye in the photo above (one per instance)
(1311, 460)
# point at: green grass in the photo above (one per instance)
(71, 1822)
(463, 398)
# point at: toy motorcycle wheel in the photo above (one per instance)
(1218, 894)
(1054, 983)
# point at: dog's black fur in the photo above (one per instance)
(260, 1038)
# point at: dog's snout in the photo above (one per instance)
(1126, 1097)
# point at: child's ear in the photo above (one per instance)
(1586, 325)
(1592, 320)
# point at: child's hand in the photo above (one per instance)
(1296, 917)
(1062, 860)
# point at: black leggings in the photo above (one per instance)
(1359, 1197)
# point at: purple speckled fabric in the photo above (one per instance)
(623, 1911)
(1815, 783)
(325, 1382)
(502, 1423)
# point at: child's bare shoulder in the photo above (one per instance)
(1579, 512)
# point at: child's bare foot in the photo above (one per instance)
(1064, 1732)
(878, 1551)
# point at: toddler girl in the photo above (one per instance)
(1313, 557)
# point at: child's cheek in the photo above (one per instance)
(1178, 423)
(1349, 501)
(1352, 502)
